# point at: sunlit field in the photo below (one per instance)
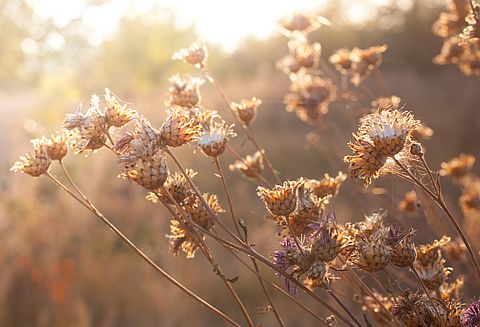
(247, 163)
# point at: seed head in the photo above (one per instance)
(470, 317)
(150, 172)
(402, 309)
(299, 23)
(246, 110)
(401, 247)
(409, 204)
(326, 186)
(116, 114)
(453, 51)
(196, 54)
(281, 200)
(342, 60)
(182, 239)
(317, 275)
(250, 166)
(184, 91)
(430, 264)
(201, 214)
(36, 162)
(57, 147)
(328, 242)
(178, 187)
(179, 128)
(214, 137)
(372, 253)
(458, 167)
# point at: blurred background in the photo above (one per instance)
(60, 267)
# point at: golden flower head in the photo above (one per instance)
(250, 166)
(184, 91)
(326, 186)
(150, 172)
(400, 246)
(215, 136)
(281, 200)
(246, 110)
(430, 264)
(388, 129)
(458, 167)
(342, 60)
(182, 239)
(36, 162)
(402, 310)
(196, 54)
(328, 242)
(371, 253)
(203, 215)
(177, 185)
(116, 114)
(367, 161)
(57, 147)
(179, 128)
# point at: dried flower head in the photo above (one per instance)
(316, 275)
(422, 132)
(403, 312)
(342, 60)
(450, 291)
(301, 55)
(246, 110)
(117, 115)
(250, 166)
(177, 186)
(400, 246)
(328, 242)
(149, 172)
(196, 54)
(182, 239)
(470, 198)
(470, 317)
(458, 167)
(472, 30)
(409, 204)
(371, 253)
(184, 91)
(36, 162)
(326, 186)
(281, 200)
(57, 147)
(430, 264)
(388, 129)
(215, 136)
(372, 56)
(179, 128)
(449, 313)
(299, 23)
(453, 51)
(367, 161)
(202, 215)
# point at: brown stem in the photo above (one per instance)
(438, 198)
(143, 255)
(334, 296)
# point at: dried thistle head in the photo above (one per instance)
(36, 162)
(470, 317)
(179, 128)
(116, 114)
(430, 264)
(453, 51)
(250, 166)
(326, 186)
(367, 161)
(449, 313)
(458, 167)
(409, 204)
(184, 91)
(388, 129)
(215, 136)
(149, 172)
(372, 56)
(196, 54)
(177, 186)
(342, 60)
(182, 239)
(450, 291)
(303, 23)
(281, 200)
(301, 55)
(329, 241)
(57, 147)
(202, 215)
(246, 110)
(400, 246)
(402, 310)
(472, 30)
(470, 198)
(371, 253)
(316, 275)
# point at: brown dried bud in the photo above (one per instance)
(150, 172)
(416, 150)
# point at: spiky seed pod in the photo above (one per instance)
(181, 239)
(430, 264)
(458, 167)
(184, 91)
(387, 129)
(317, 274)
(36, 162)
(57, 147)
(178, 186)
(328, 243)
(428, 253)
(367, 161)
(117, 115)
(402, 310)
(196, 54)
(246, 110)
(403, 253)
(179, 129)
(372, 254)
(326, 186)
(250, 166)
(449, 314)
(470, 317)
(201, 214)
(281, 200)
(214, 139)
(150, 172)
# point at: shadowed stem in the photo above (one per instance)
(247, 129)
(230, 206)
(215, 266)
(438, 198)
(332, 294)
(427, 293)
(143, 255)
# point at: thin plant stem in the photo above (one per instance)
(438, 198)
(427, 294)
(295, 238)
(137, 250)
(334, 296)
(232, 214)
(214, 265)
